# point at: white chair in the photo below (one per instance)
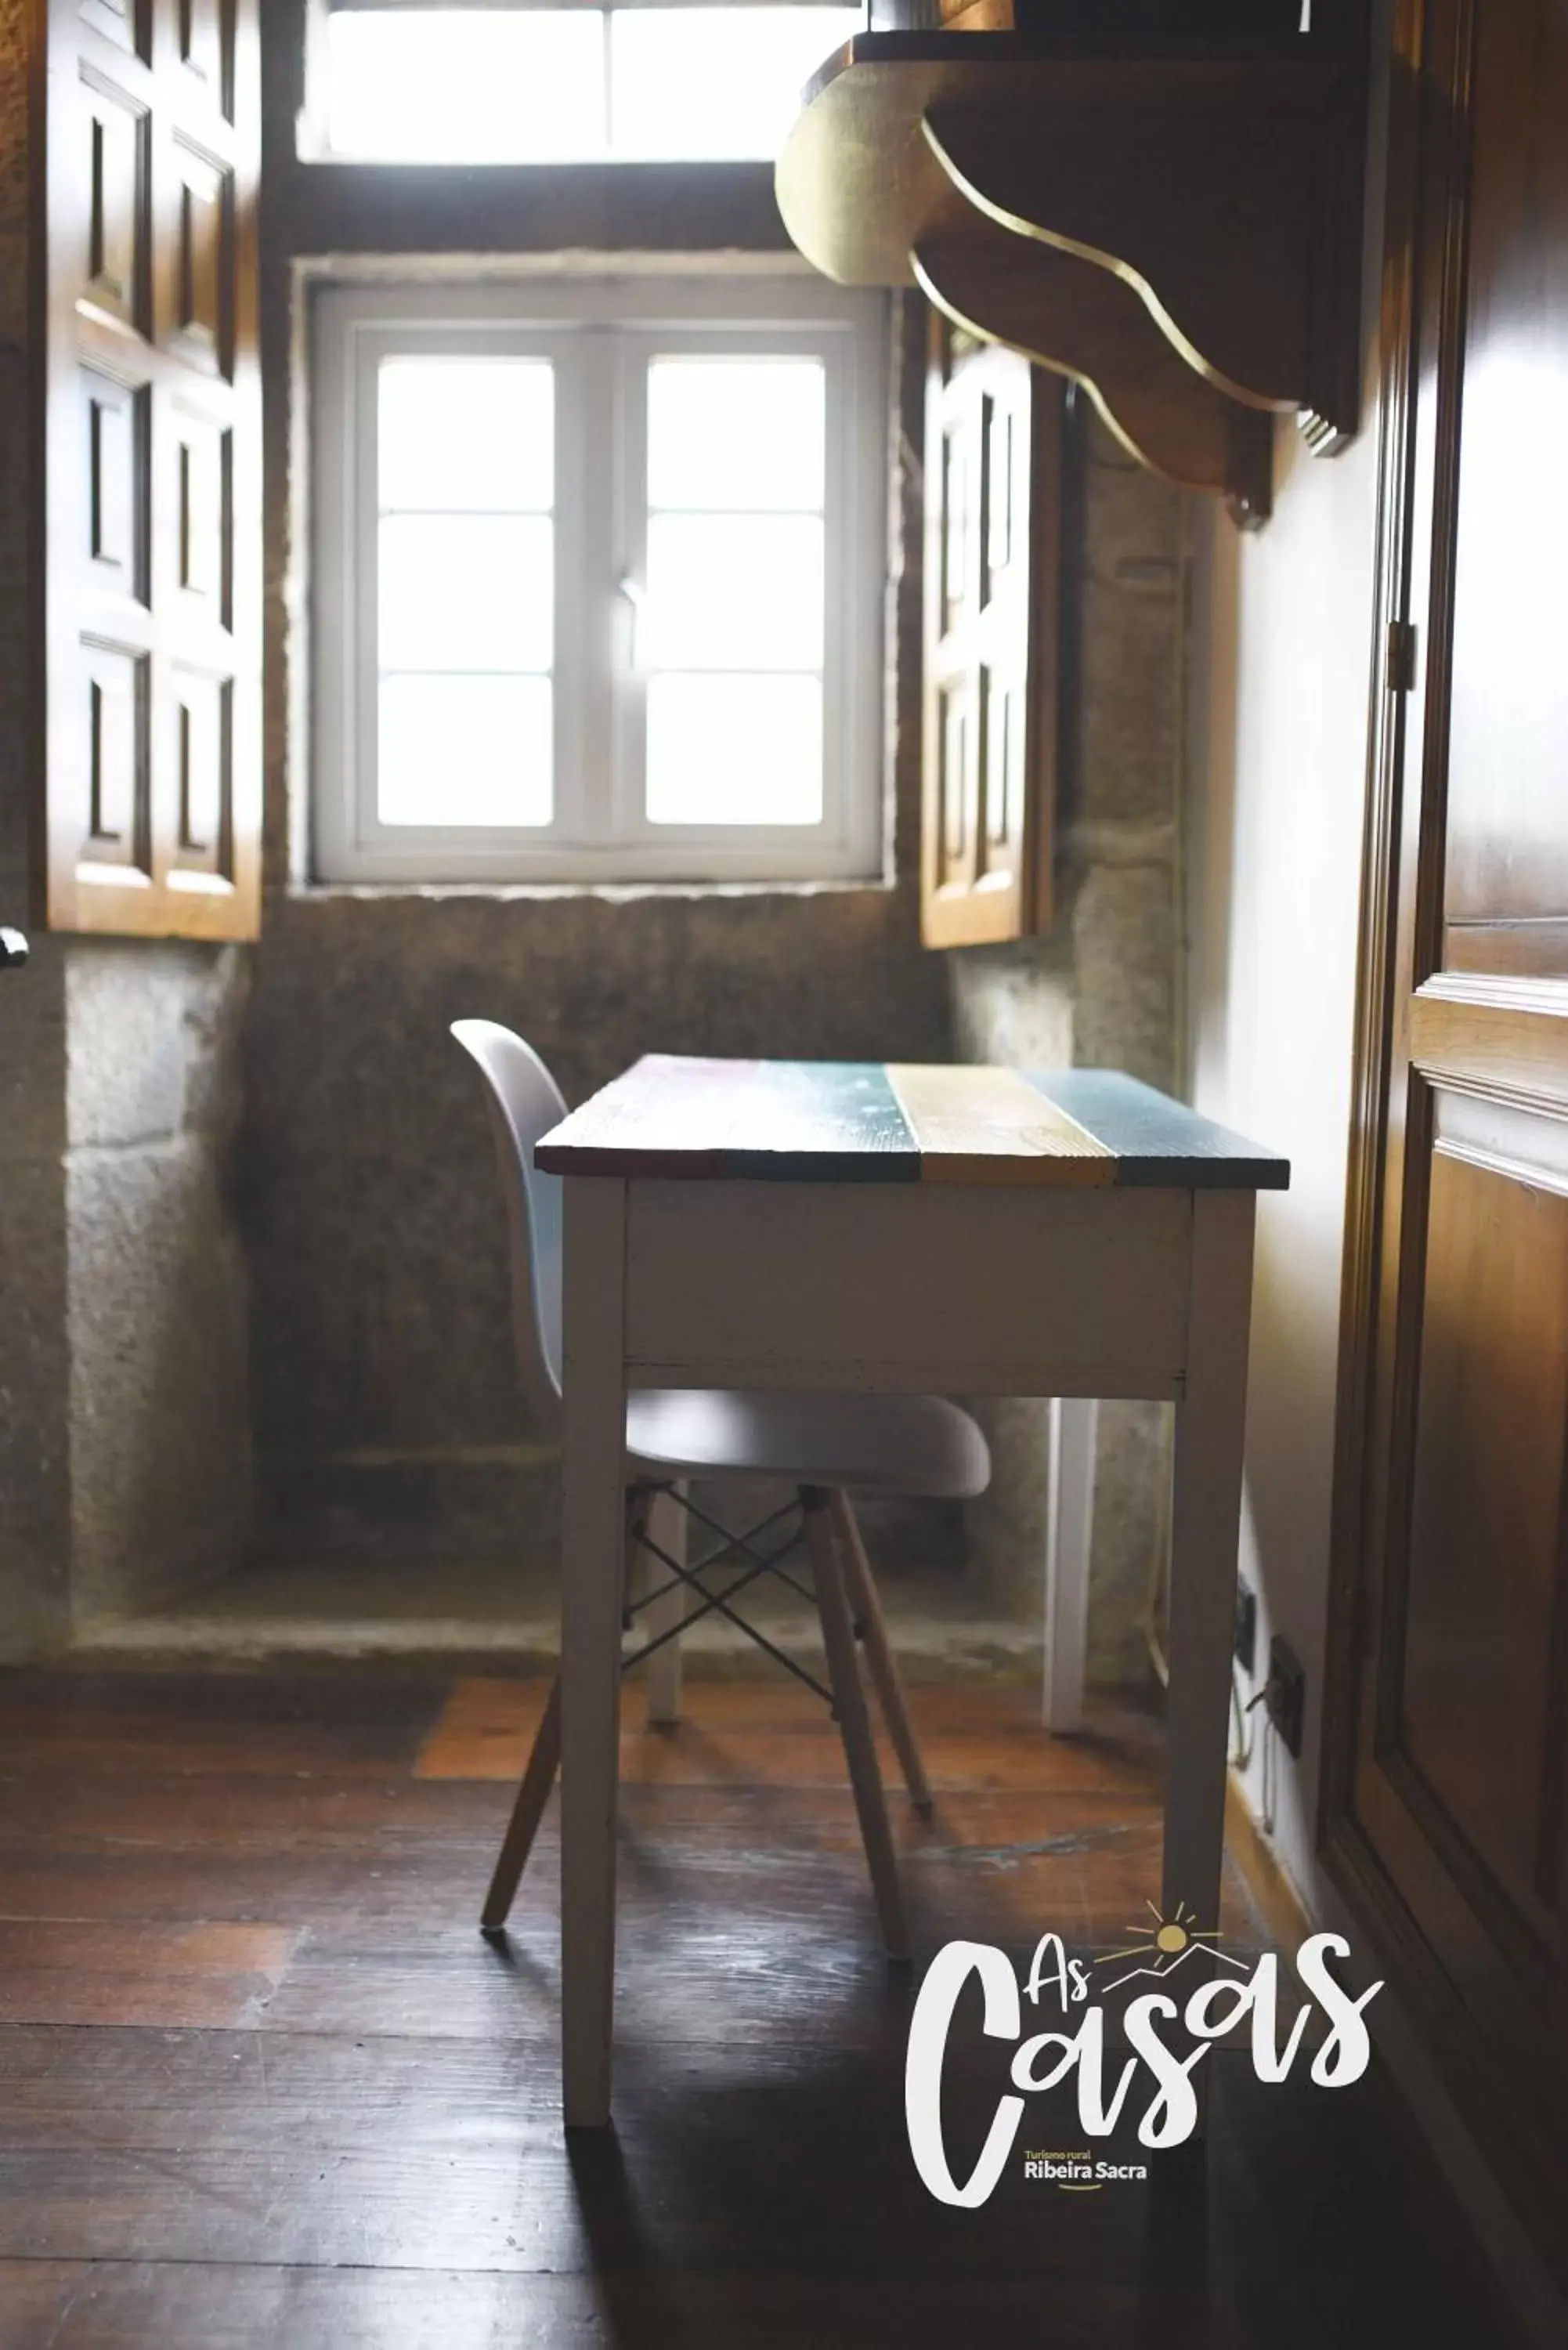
(918, 1445)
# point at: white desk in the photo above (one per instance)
(953, 1231)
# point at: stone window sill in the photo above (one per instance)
(611, 892)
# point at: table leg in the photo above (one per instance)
(593, 1458)
(1206, 1508)
(1075, 1424)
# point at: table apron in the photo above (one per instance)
(958, 1289)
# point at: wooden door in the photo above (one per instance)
(151, 539)
(992, 569)
(1447, 1799)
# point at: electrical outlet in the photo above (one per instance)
(1246, 1640)
(1285, 1700)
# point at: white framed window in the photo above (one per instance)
(598, 580)
(561, 81)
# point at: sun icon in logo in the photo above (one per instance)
(1165, 1945)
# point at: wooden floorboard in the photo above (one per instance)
(104, 2307)
(263, 2082)
(784, 1737)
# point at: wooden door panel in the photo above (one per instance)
(1447, 1717)
(1486, 1535)
(1526, 947)
(151, 774)
(1507, 853)
(1511, 1027)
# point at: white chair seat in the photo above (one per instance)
(885, 1443)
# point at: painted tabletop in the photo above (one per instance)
(891, 1122)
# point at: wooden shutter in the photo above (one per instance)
(152, 549)
(993, 570)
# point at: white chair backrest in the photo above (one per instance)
(524, 1103)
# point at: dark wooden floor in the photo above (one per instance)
(262, 2081)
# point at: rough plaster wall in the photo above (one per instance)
(123, 1419)
(1103, 988)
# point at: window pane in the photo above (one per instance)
(734, 750)
(464, 750)
(734, 591)
(470, 435)
(715, 82)
(528, 84)
(452, 84)
(465, 591)
(736, 432)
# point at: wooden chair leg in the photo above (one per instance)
(879, 1657)
(539, 1776)
(853, 1720)
(667, 1525)
(526, 1812)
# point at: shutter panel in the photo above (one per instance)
(152, 470)
(993, 598)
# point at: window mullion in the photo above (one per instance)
(582, 527)
(630, 689)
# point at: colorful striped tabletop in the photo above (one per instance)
(891, 1122)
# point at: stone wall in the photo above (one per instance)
(386, 1396)
(124, 1422)
(375, 1370)
(386, 1417)
(33, 1366)
(124, 1419)
(156, 1320)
